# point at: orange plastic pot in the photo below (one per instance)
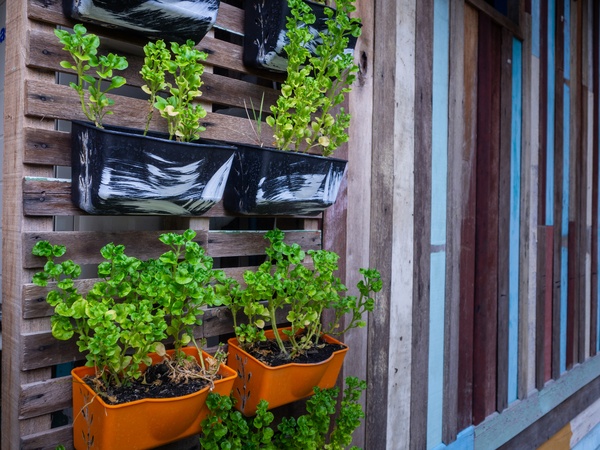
(142, 424)
(282, 384)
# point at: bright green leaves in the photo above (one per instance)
(83, 49)
(226, 428)
(136, 305)
(184, 65)
(305, 284)
(308, 113)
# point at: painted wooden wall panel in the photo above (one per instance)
(439, 177)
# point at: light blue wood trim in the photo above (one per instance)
(464, 441)
(564, 254)
(515, 222)
(550, 117)
(498, 429)
(535, 28)
(439, 168)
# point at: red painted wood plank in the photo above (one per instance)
(486, 277)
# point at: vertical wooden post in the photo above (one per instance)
(13, 225)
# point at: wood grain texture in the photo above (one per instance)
(42, 440)
(504, 217)
(422, 223)
(595, 131)
(458, 190)
(467, 256)
(486, 276)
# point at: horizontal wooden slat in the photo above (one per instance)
(47, 147)
(45, 397)
(229, 17)
(84, 246)
(46, 53)
(49, 439)
(53, 101)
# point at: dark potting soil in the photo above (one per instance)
(154, 384)
(268, 352)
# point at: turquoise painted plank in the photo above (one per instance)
(439, 164)
(515, 221)
(564, 256)
(441, 42)
(535, 28)
(436, 350)
(464, 441)
(550, 117)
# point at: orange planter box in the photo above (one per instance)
(142, 424)
(282, 384)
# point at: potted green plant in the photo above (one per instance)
(307, 118)
(309, 431)
(123, 171)
(305, 351)
(121, 325)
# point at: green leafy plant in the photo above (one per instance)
(226, 428)
(135, 306)
(307, 113)
(181, 109)
(94, 73)
(307, 289)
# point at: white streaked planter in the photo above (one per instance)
(172, 20)
(266, 181)
(117, 171)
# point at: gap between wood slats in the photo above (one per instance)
(84, 247)
(46, 53)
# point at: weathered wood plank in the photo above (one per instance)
(419, 341)
(84, 247)
(467, 256)
(49, 439)
(45, 397)
(458, 186)
(497, 17)
(486, 277)
(595, 130)
(504, 217)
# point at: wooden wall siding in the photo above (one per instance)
(594, 130)
(439, 172)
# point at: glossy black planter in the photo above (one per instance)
(117, 171)
(172, 20)
(265, 33)
(265, 181)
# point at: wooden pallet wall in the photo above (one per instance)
(35, 147)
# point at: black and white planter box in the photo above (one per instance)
(118, 171)
(266, 181)
(171, 20)
(265, 33)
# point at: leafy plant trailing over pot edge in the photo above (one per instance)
(285, 280)
(136, 306)
(311, 431)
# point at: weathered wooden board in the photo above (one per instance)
(467, 256)
(486, 281)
